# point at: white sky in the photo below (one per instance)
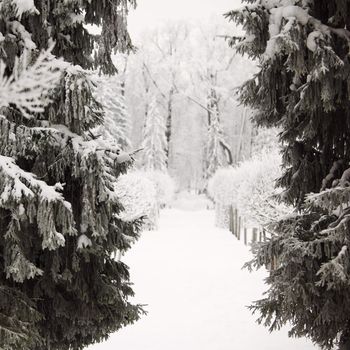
(150, 13)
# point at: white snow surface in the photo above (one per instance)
(189, 273)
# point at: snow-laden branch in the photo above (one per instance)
(300, 15)
(30, 85)
(23, 6)
(17, 8)
(24, 182)
(20, 189)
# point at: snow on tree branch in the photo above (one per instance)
(20, 7)
(36, 200)
(23, 6)
(284, 16)
(29, 87)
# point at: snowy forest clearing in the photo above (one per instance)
(189, 273)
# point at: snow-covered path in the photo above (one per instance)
(189, 273)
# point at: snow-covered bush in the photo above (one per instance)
(250, 188)
(142, 194)
(220, 190)
(224, 188)
(257, 199)
(138, 195)
(164, 185)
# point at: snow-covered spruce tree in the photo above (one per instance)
(215, 153)
(303, 88)
(154, 140)
(60, 287)
(111, 95)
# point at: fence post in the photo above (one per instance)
(236, 222)
(239, 228)
(233, 221)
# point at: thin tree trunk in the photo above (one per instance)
(239, 147)
(213, 104)
(123, 83)
(169, 121)
(228, 153)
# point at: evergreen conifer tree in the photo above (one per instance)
(303, 88)
(60, 288)
(216, 157)
(111, 95)
(154, 140)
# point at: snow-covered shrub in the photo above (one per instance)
(224, 188)
(165, 186)
(142, 194)
(221, 190)
(250, 188)
(138, 195)
(257, 199)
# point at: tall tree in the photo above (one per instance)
(168, 42)
(302, 87)
(60, 287)
(111, 95)
(213, 62)
(154, 144)
(216, 157)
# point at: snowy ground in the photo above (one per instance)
(189, 273)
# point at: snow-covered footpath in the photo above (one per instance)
(189, 273)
